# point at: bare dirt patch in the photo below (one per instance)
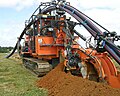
(61, 84)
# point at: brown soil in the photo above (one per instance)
(59, 83)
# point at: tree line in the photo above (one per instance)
(8, 49)
(5, 49)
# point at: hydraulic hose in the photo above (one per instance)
(91, 19)
(84, 19)
(87, 21)
(93, 33)
(22, 34)
(81, 36)
(115, 51)
(112, 49)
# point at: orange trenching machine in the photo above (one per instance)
(50, 38)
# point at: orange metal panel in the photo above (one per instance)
(111, 65)
(44, 46)
(110, 72)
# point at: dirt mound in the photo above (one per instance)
(61, 84)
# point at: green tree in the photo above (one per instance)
(5, 49)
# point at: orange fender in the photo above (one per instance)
(110, 70)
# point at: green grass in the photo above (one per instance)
(16, 80)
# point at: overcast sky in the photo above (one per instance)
(13, 14)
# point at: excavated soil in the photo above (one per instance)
(59, 83)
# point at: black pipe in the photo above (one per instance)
(91, 19)
(85, 20)
(112, 46)
(22, 34)
(114, 55)
(89, 26)
(51, 8)
(108, 48)
(81, 36)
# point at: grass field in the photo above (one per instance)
(16, 81)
